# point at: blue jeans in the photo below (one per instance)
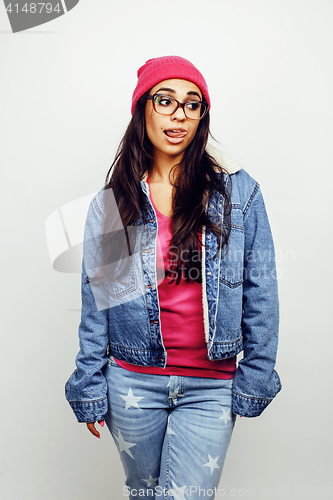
(172, 432)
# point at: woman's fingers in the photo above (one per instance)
(93, 430)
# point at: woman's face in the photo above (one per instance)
(171, 134)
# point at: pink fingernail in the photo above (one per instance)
(99, 437)
(102, 423)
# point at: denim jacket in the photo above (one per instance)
(240, 304)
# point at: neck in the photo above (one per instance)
(162, 166)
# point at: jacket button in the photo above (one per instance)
(209, 273)
(209, 236)
(212, 206)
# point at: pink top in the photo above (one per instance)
(182, 326)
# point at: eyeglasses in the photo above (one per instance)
(167, 105)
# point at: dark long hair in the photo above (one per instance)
(198, 175)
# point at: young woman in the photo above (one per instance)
(178, 278)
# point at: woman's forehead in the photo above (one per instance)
(177, 86)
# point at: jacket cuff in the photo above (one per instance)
(90, 411)
(248, 406)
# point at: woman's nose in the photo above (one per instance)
(179, 114)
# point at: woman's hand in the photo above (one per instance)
(92, 428)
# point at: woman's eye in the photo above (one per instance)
(193, 106)
(164, 101)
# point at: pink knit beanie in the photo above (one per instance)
(164, 68)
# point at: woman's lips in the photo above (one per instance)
(174, 135)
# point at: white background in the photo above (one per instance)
(65, 100)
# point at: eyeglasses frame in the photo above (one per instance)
(179, 104)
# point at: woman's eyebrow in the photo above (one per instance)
(167, 90)
(172, 91)
(194, 93)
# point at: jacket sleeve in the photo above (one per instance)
(256, 382)
(86, 389)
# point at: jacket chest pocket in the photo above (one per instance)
(120, 285)
(122, 267)
(232, 261)
(122, 279)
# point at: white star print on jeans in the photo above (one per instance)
(212, 464)
(131, 400)
(226, 416)
(124, 445)
(177, 492)
(169, 430)
(151, 481)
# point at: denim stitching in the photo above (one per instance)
(254, 398)
(228, 341)
(129, 348)
(89, 402)
(96, 207)
(182, 387)
(229, 284)
(167, 462)
(246, 209)
(235, 226)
